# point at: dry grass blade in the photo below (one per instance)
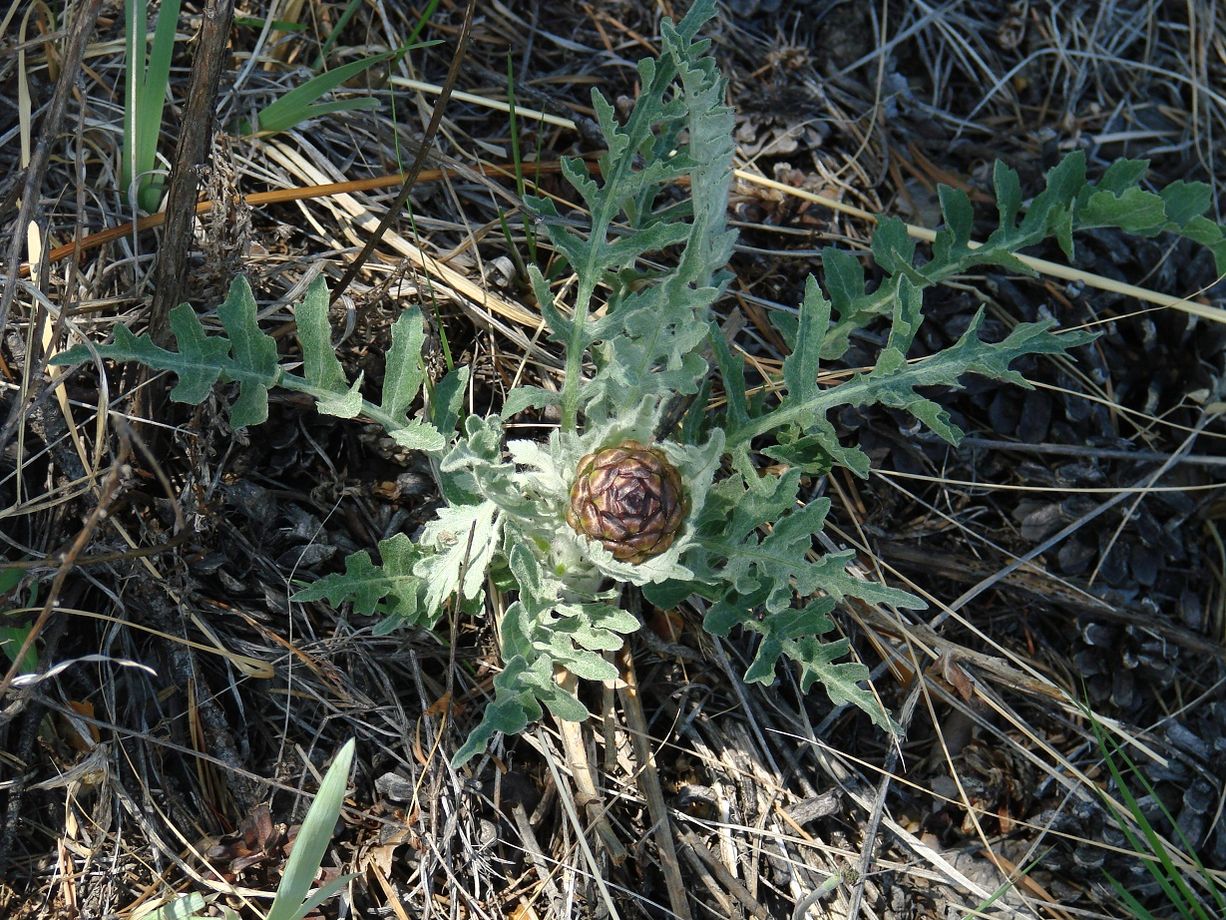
(427, 139)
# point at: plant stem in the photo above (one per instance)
(574, 356)
(613, 170)
(369, 410)
(852, 392)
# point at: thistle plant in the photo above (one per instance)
(643, 485)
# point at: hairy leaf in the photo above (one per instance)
(515, 706)
(546, 628)
(1068, 204)
(389, 588)
(647, 343)
(778, 563)
(463, 539)
(405, 368)
(894, 380)
(254, 363)
(321, 368)
(792, 634)
(247, 356)
(447, 399)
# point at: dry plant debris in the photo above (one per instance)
(1071, 549)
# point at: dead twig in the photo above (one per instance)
(190, 152)
(436, 118)
(649, 782)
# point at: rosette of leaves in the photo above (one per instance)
(563, 616)
(745, 544)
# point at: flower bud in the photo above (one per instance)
(629, 498)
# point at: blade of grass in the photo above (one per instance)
(299, 104)
(146, 84)
(516, 158)
(1138, 909)
(294, 893)
(422, 21)
(341, 21)
(1189, 850)
(1158, 862)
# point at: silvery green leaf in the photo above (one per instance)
(732, 374)
(320, 366)
(1184, 201)
(649, 348)
(245, 355)
(447, 399)
(464, 539)
(817, 450)
(801, 366)
(958, 214)
(184, 907)
(1134, 210)
(560, 327)
(347, 404)
(1008, 195)
(405, 368)
(528, 397)
(390, 588)
(313, 839)
(254, 356)
(1069, 204)
(417, 435)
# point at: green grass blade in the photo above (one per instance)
(322, 893)
(1163, 870)
(1189, 850)
(299, 104)
(313, 839)
(153, 102)
(13, 638)
(343, 20)
(1138, 909)
(10, 579)
(134, 16)
(146, 82)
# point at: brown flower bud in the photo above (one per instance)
(629, 498)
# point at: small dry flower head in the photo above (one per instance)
(630, 498)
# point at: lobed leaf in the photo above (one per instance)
(390, 588)
(404, 372)
(646, 344)
(321, 368)
(1067, 205)
(248, 356)
(801, 366)
(547, 627)
(793, 635)
(254, 356)
(463, 539)
(245, 355)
